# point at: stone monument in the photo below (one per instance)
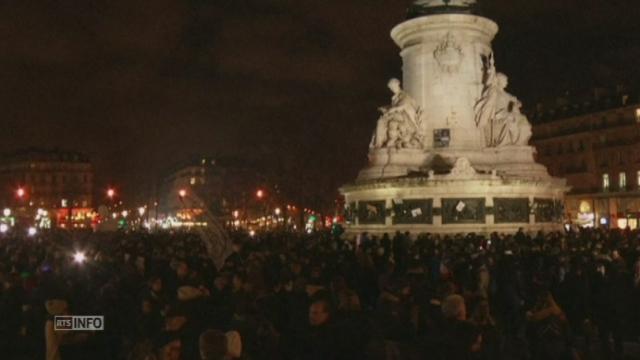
(450, 153)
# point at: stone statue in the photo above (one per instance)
(518, 127)
(399, 124)
(462, 169)
(498, 113)
(485, 107)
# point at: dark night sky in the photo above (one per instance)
(141, 84)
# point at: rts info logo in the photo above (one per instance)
(79, 323)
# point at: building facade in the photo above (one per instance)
(220, 185)
(58, 181)
(595, 145)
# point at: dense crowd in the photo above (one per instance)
(291, 296)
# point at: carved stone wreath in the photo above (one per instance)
(449, 54)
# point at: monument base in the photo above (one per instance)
(454, 203)
(508, 161)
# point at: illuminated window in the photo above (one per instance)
(605, 182)
(192, 181)
(622, 180)
(638, 115)
(638, 178)
(622, 223)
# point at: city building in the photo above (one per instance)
(226, 187)
(595, 145)
(55, 181)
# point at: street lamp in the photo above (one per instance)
(182, 193)
(21, 192)
(260, 194)
(111, 193)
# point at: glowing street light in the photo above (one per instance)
(182, 193)
(79, 257)
(111, 193)
(141, 211)
(7, 212)
(4, 228)
(21, 192)
(252, 233)
(125, 213)
(236, 214)
(260, 194)
(278, 211)
(32, 231)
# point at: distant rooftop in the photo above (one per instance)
(568, 106)
(44, 155)
(211, 161)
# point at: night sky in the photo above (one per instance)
(139, 85)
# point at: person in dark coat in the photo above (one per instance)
(320, 342)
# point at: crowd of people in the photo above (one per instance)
(283, 295)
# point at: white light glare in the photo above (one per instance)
(79, 257)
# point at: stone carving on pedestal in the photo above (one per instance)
(547, 210)
(461, 211)
(418, 211)
(350, 212)
(399, 126)
(498, 113)
(448, 54)
(371, 212)
(511, 210)
(462, 169)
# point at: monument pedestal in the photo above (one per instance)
(449, 205)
